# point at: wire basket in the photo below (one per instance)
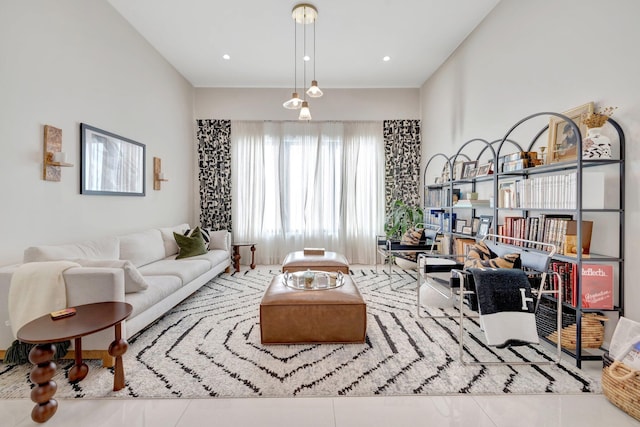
(592, 326)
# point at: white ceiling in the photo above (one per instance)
(352, 38)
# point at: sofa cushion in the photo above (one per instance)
(105, 248)
(218, 240)
(190, 245)
(160, 287)
(170, 245)
(185, 269)
(214, 257)
(133, 280)
(142, 248)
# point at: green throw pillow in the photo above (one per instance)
(190, 245)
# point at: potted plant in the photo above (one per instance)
(401, 218)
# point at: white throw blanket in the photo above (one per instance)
(37, 288)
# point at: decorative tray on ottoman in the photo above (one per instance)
(313, 280)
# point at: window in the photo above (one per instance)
(308, 184)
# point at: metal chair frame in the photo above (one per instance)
(393, 247)
(534, 261)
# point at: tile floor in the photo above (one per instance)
(476, 411)
(468, 411)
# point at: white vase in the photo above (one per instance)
(595, 145)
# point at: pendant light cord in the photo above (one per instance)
(304, 50)
(295, 62)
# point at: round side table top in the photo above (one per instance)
(89, 318)
(243, 244)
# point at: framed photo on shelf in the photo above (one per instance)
(484, 169)
(475, 223)
(457, 169)
(446, 173)
(469, 169)
(460, 225)
(467, 229)
(563, 141)
(484, 226)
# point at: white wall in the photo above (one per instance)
(545, 55)
(336, 104)
(65, 62)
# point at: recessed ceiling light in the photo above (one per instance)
(386, 58)
(226, 56)
(306, 58)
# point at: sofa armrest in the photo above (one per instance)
(86, 285)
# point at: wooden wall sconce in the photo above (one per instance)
(158, 176)
(54, 157)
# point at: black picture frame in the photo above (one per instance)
(484, 226)
(111, 164)
(475, 223)
(469, 169)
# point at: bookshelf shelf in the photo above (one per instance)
(539, 185)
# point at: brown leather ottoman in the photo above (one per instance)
(328, 261)
(289, 315)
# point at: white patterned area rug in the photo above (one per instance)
(209, 346)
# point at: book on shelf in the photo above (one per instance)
(541, 192)
(556, 229)
(467, 203)
(597, 286)
(549, 229)
(463, 245)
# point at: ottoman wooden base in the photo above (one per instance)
(329, 261)
(290, 316)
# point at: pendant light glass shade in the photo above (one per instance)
(305, 114)
(314, 91)
(294, 103)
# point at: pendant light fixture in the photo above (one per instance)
(295, 102)
(303, 14)
(305, 113)
(314, 91)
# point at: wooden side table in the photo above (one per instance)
(43, 331)
(236, 255)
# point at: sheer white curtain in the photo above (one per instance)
(308, 184)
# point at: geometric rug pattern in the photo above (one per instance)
(209, 346)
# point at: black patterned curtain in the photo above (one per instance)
(214, 160)
(402, 141)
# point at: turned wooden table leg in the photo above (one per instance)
(117, 348)
(236, 257)
(42, 357)
(80, 369)
(253, 252)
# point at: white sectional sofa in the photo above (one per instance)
(153, 253)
